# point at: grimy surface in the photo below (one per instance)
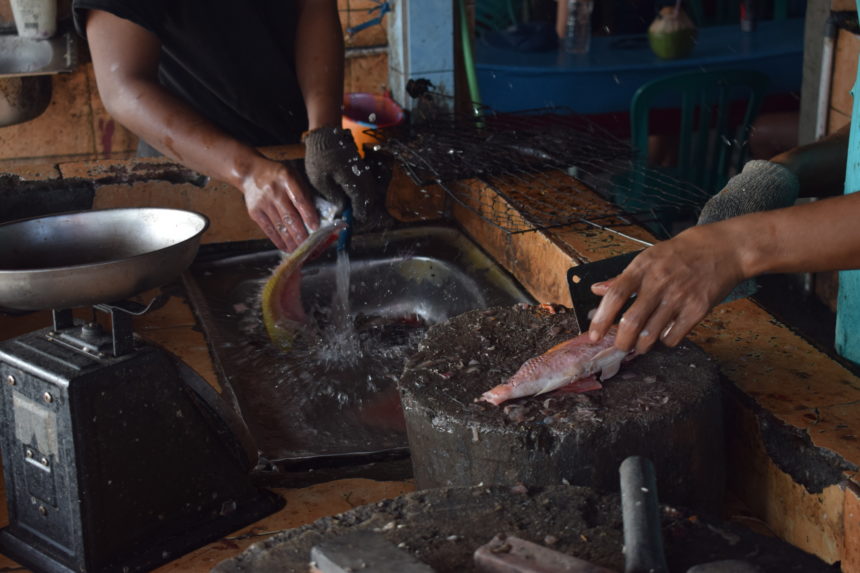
(444, 526)
(664, 405)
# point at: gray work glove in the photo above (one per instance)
(760, 186)
(342, 176)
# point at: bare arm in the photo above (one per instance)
(319, 61)
(678, 281)
(332, 162)
(819, 166)
(125, 61)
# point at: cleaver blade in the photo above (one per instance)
(581, 277)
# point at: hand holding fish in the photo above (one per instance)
(342, 176)
(675, 282)
(279, 201)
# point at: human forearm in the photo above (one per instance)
(814, 170)
(676, 282)
(179, 132)
(125, 61)
(815, 237)
(319, 61)
(819, 166)
(273, 194)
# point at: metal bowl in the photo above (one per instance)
(91, 257)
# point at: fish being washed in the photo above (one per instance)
(283, 313)
(572, 362)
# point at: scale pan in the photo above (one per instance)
(91, 257)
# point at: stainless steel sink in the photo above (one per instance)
(301, 409)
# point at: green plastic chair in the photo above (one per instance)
(491, 15)
(711, 145)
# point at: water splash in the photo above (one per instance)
(340, 343)
(341, 358)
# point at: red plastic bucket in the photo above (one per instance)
(364, 111)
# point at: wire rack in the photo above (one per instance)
(540, 166)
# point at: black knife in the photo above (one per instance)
(581, 277)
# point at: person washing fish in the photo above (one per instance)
(207, 82)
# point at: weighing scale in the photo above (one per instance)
(116, 455)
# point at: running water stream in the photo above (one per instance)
(346, 357)
(334, 391)
(340, 343)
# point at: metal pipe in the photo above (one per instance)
(825, 80)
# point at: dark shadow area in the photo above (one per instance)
(783, 296)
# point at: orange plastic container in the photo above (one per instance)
(364, 111)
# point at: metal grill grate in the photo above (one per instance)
(539, 164)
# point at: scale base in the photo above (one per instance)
(116, 463)
(28, 556)
(160, 551)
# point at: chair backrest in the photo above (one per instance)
(717, 109)
(493, 15)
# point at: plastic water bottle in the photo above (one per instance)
(577, 37)
(35, 19)
(747, 12)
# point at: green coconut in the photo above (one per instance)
(672, 34)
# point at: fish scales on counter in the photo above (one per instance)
(283, 313)
(570, 365)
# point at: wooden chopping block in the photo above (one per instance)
(665, 405)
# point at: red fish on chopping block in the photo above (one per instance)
(570, 365)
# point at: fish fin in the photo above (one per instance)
(609, 361)
(563, 345)
(586, 384)
(495, 395)
(552, 387)
(610, 370)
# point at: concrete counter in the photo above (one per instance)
(794, 413)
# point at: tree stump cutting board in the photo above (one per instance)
(665, 405)
(443, 527)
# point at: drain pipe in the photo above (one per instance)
(469, 58)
